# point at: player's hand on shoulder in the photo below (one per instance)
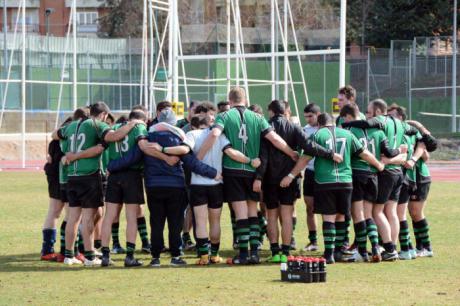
(255, 163)
(218, 177)
(337, 158)
(257, 186)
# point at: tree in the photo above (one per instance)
(123, 18)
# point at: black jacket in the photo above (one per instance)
(54, 150)
(275, 164)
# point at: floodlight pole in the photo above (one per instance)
(23, 84)
(74, 33)
(286, 58)
(5, 29)
(343, 41)
(229, 76)
(454, 71)
(273, 46)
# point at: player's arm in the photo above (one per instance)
(145, 147)
(299, 166)
(311, 148)
(367, 156)
(386, 150)
(119, 134)
(209, 142)
(88, 153)
(420, 148)
(399, 159)
(281, 145)
(431, 143)
(425, 156)
(197, 166)
(240, 157)
(364, 124)
(132, 157)
(175, 150)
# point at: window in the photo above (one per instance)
(87, 18)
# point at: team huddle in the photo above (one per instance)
(366, 169)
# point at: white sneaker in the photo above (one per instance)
(419, 253)
(72, 261)
(97, 253)
(91, 263)
(357, 257)
(426, 253)
(405, 255)
(381, 249)
(413, 253)
(311, 247)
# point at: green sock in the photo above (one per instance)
(361, 236)
(340, 234)
(215, 249)
(62, 237)
(142, 228)
(329, 234)
(130, 247)
(312, 236)
(254, 233)
(421, 230)
(202, 246)
(90, 255)
(242, 231)
(115, 231)
(69, 254)
(371, 229)
(404, 235)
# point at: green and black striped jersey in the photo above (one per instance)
(83, 135)
(327, 172)
(243, 129)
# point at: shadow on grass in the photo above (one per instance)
(32, 263)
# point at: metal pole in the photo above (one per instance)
(368, 66)
(74, 32)
(286, 58)
(410, 85)
(130, 74)
(229, 76)
(175, 14)
(414, 47)
(170, 50)
(272, 41)
(343, 41)
(23, 84)
(5, 29)
(324, 82)
(454, 71)
(48, 59)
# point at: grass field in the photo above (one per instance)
(24, 279)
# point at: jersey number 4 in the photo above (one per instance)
(243, 135)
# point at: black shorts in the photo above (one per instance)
(365, 187)
(63, 190)
(104, 184)
(53, 187)
(407, 190)
(125, 187)
(309, 183)
(333, 201)
(238, 188)
(85, 191)
(274, 195)
(213, 195)
(421, 193)
(389, 187)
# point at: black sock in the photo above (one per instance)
(142, 229)
(186, 237)
(97, 244)
(340, 229)
(105, 251)
(254, 234)
(115, 231)
(90, 255)
(312, 236)
(62, 234)
(275, 248)
(233, 220)
(371, 229)
(242, 231)
(285, 249)
(361, 236)
(202, 246)
(68, 254)
(262, 225)
(215, 249)
(294, 223)
(422, 236)
(130, 247)
(329, 238)
(347, 231)
(404, 236)
(389, 247)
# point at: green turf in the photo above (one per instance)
(26, 280)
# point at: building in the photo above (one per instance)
(51, 16)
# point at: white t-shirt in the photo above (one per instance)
(309, 130)
(195, 139)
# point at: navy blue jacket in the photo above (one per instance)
(157, 173)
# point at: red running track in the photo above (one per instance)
(443, 171)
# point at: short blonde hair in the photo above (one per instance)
(237, 95)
